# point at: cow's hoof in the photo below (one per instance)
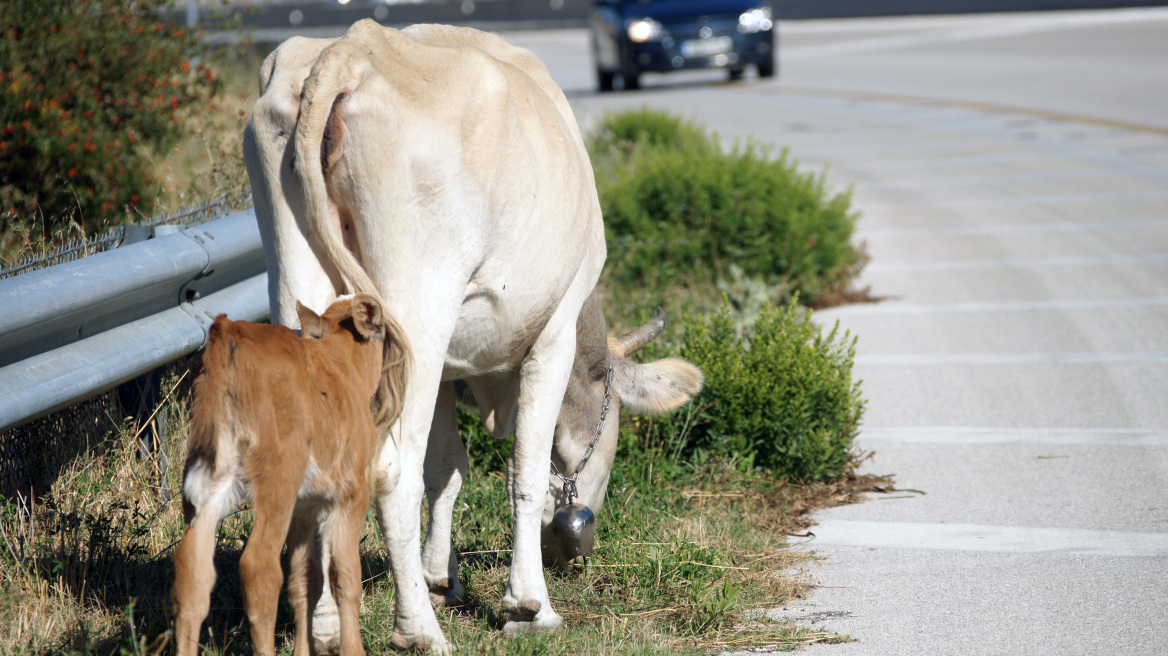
(527, 617)
(525, 610)
(443, 594)
(418, 643)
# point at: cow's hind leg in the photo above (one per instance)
(444, 471)
(543, 379)
(400, 489)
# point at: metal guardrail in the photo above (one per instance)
(73, 330)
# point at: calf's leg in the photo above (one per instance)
(303, 587)
(259, 567)
(347, 565)
(194, 576)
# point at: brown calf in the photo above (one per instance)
(286, 421)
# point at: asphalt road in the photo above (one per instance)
(1013, 175)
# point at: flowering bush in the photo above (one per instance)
(89, 91)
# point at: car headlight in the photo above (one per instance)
(755, 20)
(641, 30)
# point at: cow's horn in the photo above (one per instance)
(636, 339)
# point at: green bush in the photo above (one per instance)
(623, 132)
(91, 91)
(678, 209)
(781, 398)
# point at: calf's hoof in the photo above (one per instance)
(443, 594)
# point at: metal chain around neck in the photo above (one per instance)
(570, 483)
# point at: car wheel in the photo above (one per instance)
(604, 80)
(734, 73)
(766, 68)
(631, 80)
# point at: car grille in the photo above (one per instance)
(691, 29)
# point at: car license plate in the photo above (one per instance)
(706, 47)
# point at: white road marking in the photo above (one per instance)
(900, 23)
(1011, 228)
(985, 538)
(1021, 200)
(893, 307)
(1017, 263)
(981, 359)
(1041, 436)
(1147, 172)
(1005, 27)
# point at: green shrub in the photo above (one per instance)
(623, 132)
(91, 91)
(781, 398)
(678, 209)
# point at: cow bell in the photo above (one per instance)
(574, 529)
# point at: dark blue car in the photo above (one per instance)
(630, 37)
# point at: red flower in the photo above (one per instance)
(174, 102)
(90, 147)
(72, 172)
(72, 147)
(25, 123)
(186, 66)
(3, 144)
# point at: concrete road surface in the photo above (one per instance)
(1013, 175)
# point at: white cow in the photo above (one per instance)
(461, 183)
(451, 165)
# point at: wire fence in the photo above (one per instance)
(116, 236)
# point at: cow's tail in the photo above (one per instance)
(319, 137)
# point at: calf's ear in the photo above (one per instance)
(311, 325)
(368, 317)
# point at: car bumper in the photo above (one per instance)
(672, 54)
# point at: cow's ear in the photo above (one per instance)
(368, 316)
(311, 325)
